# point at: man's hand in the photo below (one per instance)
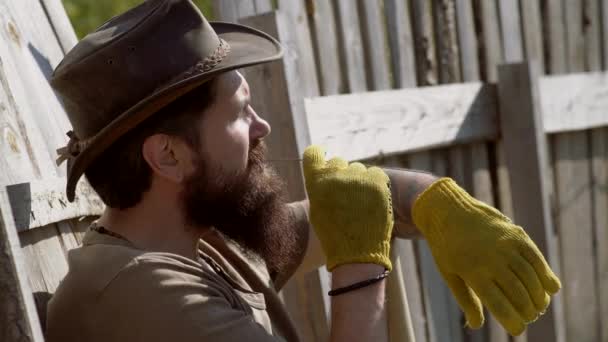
(483, 256)
(350, 209)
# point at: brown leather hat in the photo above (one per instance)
(140, 61)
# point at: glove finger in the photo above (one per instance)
(467, 299)
(498, 304)
(356, 168)
(314, 159)
(517, 294)
(524, 271)
(549, 280)
(378, 174)
(336, 164)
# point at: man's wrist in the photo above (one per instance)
(348, 274)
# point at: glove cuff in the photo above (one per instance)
(380, 256)
(442, 202)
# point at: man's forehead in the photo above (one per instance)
(233, 83)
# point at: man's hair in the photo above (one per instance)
(121, 175)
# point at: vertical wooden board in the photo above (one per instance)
(511, 30)
(467, 39)
(575, 42)
(400, 325)
(424, 40)
(232, 10)
(401, 42)
(61, 24)
(262, 6)
(592, 27)
(532, 31)
(574, 222)
(555, 34)
(302, 46)
(19, 320)
(325, 42)
(284, 109)
(375, 44)
(604, 20)
(522, 130)
(28, 57)
(448, 55)
(351, 45)
(491, 39)
(599, 174)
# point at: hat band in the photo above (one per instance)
(75, 146)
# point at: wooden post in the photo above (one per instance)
(522, 130)
(18, 317)
(401, 41)
(283, 108)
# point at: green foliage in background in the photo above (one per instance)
(87, 15)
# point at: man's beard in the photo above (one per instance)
(247, 208)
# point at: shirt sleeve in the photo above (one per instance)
(161, 299)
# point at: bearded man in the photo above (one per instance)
(197, 239)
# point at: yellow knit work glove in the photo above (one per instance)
(350, 209)
(483, 256)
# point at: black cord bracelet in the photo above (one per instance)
(359, 285)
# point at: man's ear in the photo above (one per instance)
(167, 157)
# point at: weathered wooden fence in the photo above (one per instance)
(534, 146)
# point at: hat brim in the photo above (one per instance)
(248, 47)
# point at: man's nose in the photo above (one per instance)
(260, 128)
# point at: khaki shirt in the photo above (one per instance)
(116, 292)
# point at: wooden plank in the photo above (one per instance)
(427, 272)
(17, 308)
(262, 6)
(302, 46)
(325, 41)
(284, 110)
(375, 44)
(400, 326)
(599, 174)
(401, 42)
(511, 30)
(604, 20)
(424, 40)
(491, 39)
(593, 35)
(232, 10)
(557, 62)
(359, 126)
(574, 222)
(533, 32)
(467, 39)
(574, 102)
(61, 24)
(521, 124)
(43, 202)
(351, 46)
(448, 54)
(575, 42)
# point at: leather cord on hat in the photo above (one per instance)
(72, 149)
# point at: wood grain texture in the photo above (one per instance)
(352, 58)
(61, 24)
(574, 102)
(604, 20)
(17, 308)
(491, 38)
(448, 54)
(592, 28)
(399, 321)
(533, 32)
(574, 223)
(424, 40)
(555, 34)
(325, 42)
(599, 177)
(513, 46)
(521, 124)
(575, 41)
(401, 42)
(359, 126)
(374, 44)
(43, 202)
(467, 40)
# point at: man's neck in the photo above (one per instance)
(155, 227)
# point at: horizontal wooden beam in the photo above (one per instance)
(363, 125)
(358, 126)
(42, 202)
